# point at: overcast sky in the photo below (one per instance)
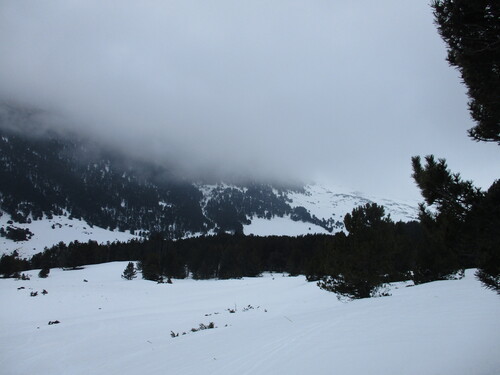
(342, 91)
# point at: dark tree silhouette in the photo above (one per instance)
(471, 29)
(129, 273)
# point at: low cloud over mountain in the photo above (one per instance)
(282, 90)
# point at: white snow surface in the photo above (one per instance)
(49, 232)
(109, 325)
(326, 202)
(281, 226)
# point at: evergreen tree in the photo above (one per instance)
(11, 265)
(471, 29)
(361, 261)
(451, 196)
(485, 237)
(446, 228)
(364, 217)
(129, 273)
(150, 266)
(463, 230)
(466, 218)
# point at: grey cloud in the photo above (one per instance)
(343, 91)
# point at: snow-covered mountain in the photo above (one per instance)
(326, 206)
(330, 203)
(322, 210)
(55, 188)
(278, 325)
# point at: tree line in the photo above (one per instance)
(460, 233)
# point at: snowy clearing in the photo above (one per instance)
(109, 325)
(49, 232)
(281, 226)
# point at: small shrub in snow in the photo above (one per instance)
(44, 272)
(249, 307)
(202, 327)
(458, 275)
(381, 291)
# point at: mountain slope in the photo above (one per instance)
(331, 203)
(51, 178)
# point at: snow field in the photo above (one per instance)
(49, 232)
(281, 226)
(326, 202)
(109, 325)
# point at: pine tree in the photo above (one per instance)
(361, 260)
(471, 29)
(485, 237)
(451, 195)
(129, 273)
(150, 266)
(467, 218)
(447, 227)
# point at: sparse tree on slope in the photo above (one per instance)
(129, 273)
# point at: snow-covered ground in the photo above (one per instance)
(281, 226)
(109, 325)
(49, 232)
(327, 202)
